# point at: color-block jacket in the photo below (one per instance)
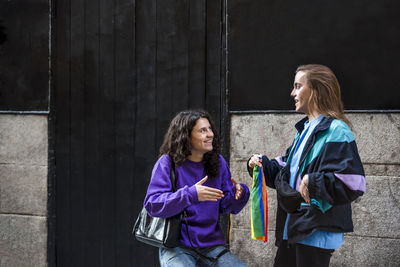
(336, 178)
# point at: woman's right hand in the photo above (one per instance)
(206, 193)
(255, 160)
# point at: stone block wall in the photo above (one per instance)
(376, 215)
(23, 190)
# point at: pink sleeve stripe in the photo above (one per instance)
(353, 181)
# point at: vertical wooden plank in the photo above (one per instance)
(197, 53)
(77, 130)
(145, 124)
(172, 89)
(91, 141)
(133, 66)
(180, 54)
(106, 118)
(215, 91)
(225, 118)
(165, 67)
(125, 103)
(51, 162)
(213, 57)
(63, 139)
(213, 47)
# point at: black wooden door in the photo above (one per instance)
(121, 70)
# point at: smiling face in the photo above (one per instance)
(201, 139)
(301, 93)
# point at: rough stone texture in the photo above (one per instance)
(377, 212)
(254, 253)
(357, 251)
(23, 139)
(376, 215)
(23, 241)
(378, 137)
(23, 190)
(362, 251)
(268, 134)
(381, 169)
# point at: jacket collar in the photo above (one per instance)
(323, 125)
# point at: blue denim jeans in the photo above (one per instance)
(182, 257)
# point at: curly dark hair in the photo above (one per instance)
(177, 143)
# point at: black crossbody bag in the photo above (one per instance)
(165, 232)
(156, 231)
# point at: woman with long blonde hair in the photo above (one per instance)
(318, 177)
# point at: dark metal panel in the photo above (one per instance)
(123, 70)
(214, 86)
(24, 55)
(106, 117)
(51, 161)
(166, 65)
(224, 106)
(213, 59)
(62, 99)
(179, 51)
(77, 110)
(172, 59)
(269, 39)
(145, 123)
(197, 53)
(125, 119)
(92, 233)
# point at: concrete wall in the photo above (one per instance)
(376, 215)
(23, 190)
(375, 241)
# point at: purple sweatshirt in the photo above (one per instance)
(202, 217)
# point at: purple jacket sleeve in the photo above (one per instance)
(159, 200)
(229, 204)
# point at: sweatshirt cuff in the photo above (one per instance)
(193, 198)
(246, 193)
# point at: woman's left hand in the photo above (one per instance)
(304, 189)
(239, 189)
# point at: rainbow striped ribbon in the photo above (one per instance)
(259, 206)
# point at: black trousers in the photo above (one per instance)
(299, 255)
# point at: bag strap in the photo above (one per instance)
(213, 259)
(172, 175)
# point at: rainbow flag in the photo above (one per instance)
(259, 206)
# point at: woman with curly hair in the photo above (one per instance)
(205, 188)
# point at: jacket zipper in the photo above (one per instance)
(304, 155)
(313, 136)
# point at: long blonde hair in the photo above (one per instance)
(325, 91)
